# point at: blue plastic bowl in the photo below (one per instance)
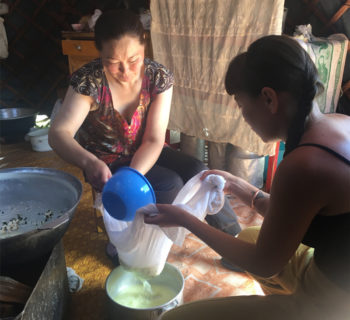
(125, 192)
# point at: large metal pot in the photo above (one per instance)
(45, 199)
(118, 279)
(15, 123)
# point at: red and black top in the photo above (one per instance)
(105, 132)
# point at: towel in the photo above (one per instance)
(198, 198)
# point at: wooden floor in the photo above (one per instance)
(85, 248)
(204, 276)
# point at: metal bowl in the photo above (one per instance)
(119, 278)
(36, 205)
(16, 113)
(15, 123)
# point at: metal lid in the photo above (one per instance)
(16, 113)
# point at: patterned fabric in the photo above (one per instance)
(329, 55)
(105, 132)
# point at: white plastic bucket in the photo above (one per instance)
(39, 139)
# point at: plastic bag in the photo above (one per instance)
(144, 248)
(199, 198)
(75, 282)
(92, 20)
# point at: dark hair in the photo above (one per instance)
(278, 62)
(112, 25)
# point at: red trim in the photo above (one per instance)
(271, 168)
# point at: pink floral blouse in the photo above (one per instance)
(105, 132)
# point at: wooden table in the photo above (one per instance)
(84, 248)
(22, 155)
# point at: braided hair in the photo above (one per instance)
(280, 63)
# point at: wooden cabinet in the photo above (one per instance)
(80, 48)
(79, 52)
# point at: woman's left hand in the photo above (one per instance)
(226, 175)
(168, 216)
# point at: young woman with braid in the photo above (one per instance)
(301, 253)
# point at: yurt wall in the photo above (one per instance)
(35, 72)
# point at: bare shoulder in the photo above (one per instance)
(302, 162)
(333, 131)
(74, 96)
(303, 172)
(73, 111)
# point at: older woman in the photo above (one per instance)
(301, 254)
(119, 105)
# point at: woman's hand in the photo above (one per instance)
(97, 173)
(226, 175)
(168, 216)
(243, 190)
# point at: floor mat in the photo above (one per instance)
(199, 264)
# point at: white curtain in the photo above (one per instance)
(197, 39)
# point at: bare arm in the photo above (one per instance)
(68, 120)
(154, 136)
(297, 195)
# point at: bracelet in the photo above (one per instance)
(253, 198)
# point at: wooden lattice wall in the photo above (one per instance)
(36, 69)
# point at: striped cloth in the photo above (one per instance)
(329, 55)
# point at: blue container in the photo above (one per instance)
(125, 192)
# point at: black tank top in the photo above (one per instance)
(330, 236)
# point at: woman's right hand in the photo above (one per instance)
(168, 216)
(97, 174)
(228, 189)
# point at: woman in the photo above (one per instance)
(120, 104)
(119, 107)
(301, 254)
